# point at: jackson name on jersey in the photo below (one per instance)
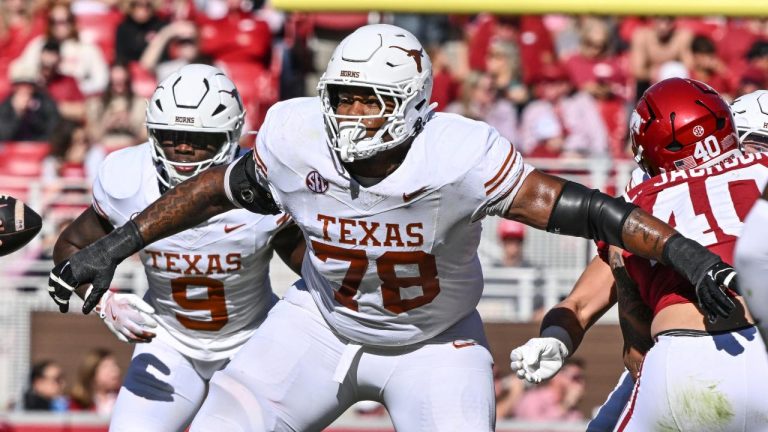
(708, 205)
(209, 285)
(394, 263)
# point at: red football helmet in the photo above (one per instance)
(681, 124)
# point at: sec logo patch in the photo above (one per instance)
(316, 183)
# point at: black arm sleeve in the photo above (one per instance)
(589, 213)
(246, 192)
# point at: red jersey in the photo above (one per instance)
(707, 205)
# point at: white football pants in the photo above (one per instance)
(693, 381)
(162, 390)
(295, 374)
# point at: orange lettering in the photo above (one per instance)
(214, 263)
(393, 235)
(170, 263)
(326, 219)
(192, 261)
(154, 255)
(413, 234)
(344, 232)
(234, 259)
(369, 233)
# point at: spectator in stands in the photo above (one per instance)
(511, 235)
(707, 67)
(115, 119)
(62, 88)
(576, 112)
(757, 67)
(28, 113)
(481, 101)
(46, 388)
(140, 25)
(237, 37)
(98, 382)
(556, 399)
(503, 64)
(654, 45)
(595, 68)
(72, 156)
(83, 61)
(180, 40)
(19, 24)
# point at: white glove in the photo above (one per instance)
(540, 358)
(127, 316)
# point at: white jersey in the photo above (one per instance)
(209, 285)
(394, 263)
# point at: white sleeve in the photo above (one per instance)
(102, 203)
(751, 260)
(498, 177)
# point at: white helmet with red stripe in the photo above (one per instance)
(390, 61)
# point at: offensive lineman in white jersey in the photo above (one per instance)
(208, 286)
(387, 194)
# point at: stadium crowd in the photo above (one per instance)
(75, 74)
(74, 77)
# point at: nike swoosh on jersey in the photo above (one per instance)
(410, 196)
(228, 229)
(463, 343)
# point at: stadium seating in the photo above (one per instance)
(100, 30)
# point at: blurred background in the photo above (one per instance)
(559, 84)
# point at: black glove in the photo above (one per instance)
(710, 291)
(706, 271)
(94, 264)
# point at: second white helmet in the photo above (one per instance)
(196, 103)
(390, 61)
(750, 113)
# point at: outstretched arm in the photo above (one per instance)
(214, 191)
(185, 206)
(549, 202)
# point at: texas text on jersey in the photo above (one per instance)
(399, 253)
(209, 285)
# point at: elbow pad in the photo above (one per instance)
(589, 213)
(245, 191)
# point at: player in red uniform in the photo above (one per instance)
(697, 180)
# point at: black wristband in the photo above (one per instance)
(113, 248)
(688, 258)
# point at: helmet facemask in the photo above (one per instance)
(170, 172)
(198, 105)
(346, 134)
(395, 67)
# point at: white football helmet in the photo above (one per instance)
(750, 113)
(200, 105)
(391, 62)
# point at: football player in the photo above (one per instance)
(694, 176)
(208, 286)
(751, 112)
(387, 194)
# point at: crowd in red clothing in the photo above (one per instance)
(557, 86)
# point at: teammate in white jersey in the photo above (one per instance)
(209, 286)
(387, 194)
